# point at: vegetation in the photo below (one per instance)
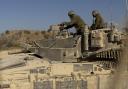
(14, 38)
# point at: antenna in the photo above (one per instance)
(111, 17)
(126, 15)
(127, 6)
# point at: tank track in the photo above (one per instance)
(110, 54)
(108, 58)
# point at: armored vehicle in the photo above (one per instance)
(58, 63)
(101, 45)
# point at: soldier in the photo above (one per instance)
(98, 22)
(78, 23)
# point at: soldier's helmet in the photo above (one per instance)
(95, 12)
(70, 13)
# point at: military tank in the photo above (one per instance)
(58, 63)
(100, 45)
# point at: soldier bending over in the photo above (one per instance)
(78, 23)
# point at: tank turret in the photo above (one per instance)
(100, 44)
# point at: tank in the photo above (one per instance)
(58, 63)
(101, 45)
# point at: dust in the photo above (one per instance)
(120, 79)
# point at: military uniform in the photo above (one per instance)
(76, 22)
(79, 25)
(98, 22)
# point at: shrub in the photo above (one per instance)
(7, 32)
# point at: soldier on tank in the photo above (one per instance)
(98, 22)
(78, 23)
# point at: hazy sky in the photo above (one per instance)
(37, 14)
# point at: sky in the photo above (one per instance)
(40, 14)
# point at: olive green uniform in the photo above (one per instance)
(76, 22)
(98, 22)
(79, 25)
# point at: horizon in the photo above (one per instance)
(33, 14)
